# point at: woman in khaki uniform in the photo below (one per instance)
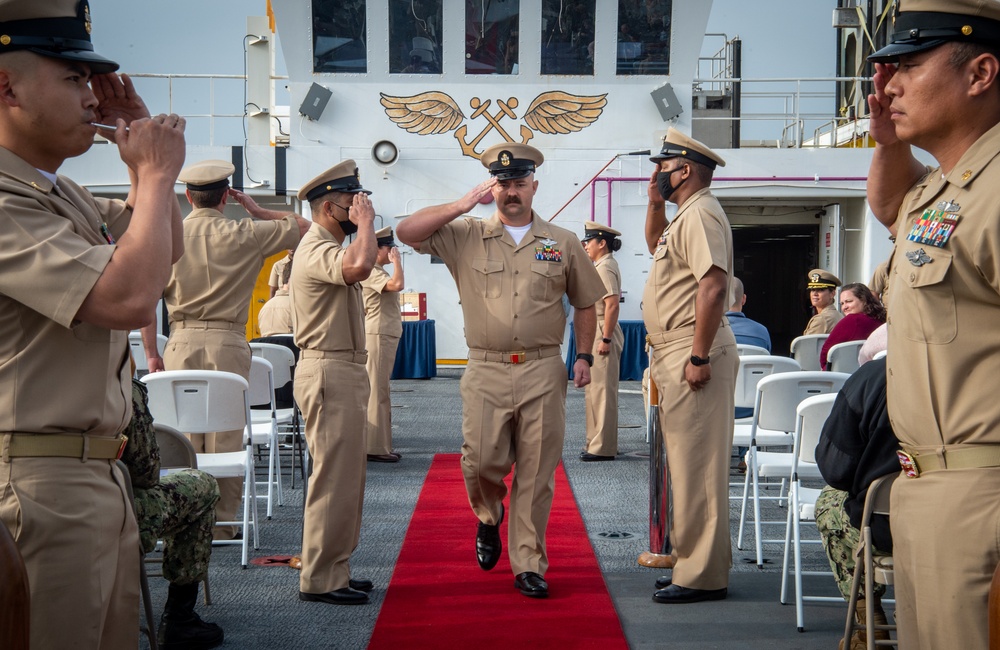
(822, 288)
(693, 362)
(600, 242)
(383, 328)
(936, 88)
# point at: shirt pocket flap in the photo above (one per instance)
(547, 269)
(484, 265)
(929, 273)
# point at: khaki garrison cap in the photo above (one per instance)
(383, 237)
(676, 144)
(342, 177)
(919, 25)
(821, 279)
(510, 160)
(54, 28)
(593, 230)
(207, 175)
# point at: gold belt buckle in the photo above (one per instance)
(908, 464)
(121, 449)
(517, 357)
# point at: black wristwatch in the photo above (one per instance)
(589, 358)
(699, 361)
(606, 340)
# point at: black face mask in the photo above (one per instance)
(664, 186)
(348, 226)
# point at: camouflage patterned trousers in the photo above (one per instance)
(840, 539)
(180, 510)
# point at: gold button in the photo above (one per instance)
(5, 39)
(913, 276)
(515, 293)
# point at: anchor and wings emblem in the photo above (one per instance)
(434, 112)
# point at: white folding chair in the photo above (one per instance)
(205, 401)
(805, 349)
(289, 420)
(139, 351)
(870, 567)
(843, 357)
(777, 398)
(264, 425)
(743, 349)
(811, 413)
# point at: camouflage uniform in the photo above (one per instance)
(840, 539)
(178, 508)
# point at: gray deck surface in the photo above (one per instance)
(259, 607)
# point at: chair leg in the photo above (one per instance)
(793, 501)
(147, 605)
(756, 507)
(249, 494)
(797, 536)
(859, 571)
(207, 593)
(743, 505)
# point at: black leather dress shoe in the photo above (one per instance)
(361, 585)
(396, 454)
(488, 545)
(663, 582)
(587, 457)
(531, 585)
(345, 596)
(383, 458)
(678, 594)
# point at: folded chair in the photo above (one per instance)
(870, 567)
(205, 401)
(811, 413)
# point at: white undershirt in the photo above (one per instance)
(52, 177)
(517, 232)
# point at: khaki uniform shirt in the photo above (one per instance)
(512, 293)
(215, 277)
(607, 268)
(277, 270)
(944, 356)
(56, 375)
(327, 313)
(697, 239)
(824, 321)
(382, 315)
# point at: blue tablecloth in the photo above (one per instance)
(634, 359)
(416, 356)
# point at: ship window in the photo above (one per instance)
(491, 30)
(568, 36)
(644, 37)
(339, 41)
(415, 36)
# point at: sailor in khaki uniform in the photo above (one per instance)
(383, 327)
(277, 281)
(512, 271)
(600, 242)
(76, 272)
(822, 288)
(331, 383)
(275, 316)
(940, 93)
(693, 361)
(208, 296)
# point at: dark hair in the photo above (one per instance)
(207, 198)
(962, 53)
(286, 273)
(873, 306)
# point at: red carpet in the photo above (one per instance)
(440, 598)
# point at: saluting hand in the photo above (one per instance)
(473, 196)
(881, 126)
(394, 256)
(652, 191)
(361, 212)
(244, 200)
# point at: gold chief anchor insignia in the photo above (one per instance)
(434, 112)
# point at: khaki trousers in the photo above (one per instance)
(698, 434)
(214, 349)
(381, 359)
(602, 395)
(333, 395)
(514, 413)
(945, 547)
(73, 524)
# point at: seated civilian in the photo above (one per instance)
(746, 331)
(863, 313)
